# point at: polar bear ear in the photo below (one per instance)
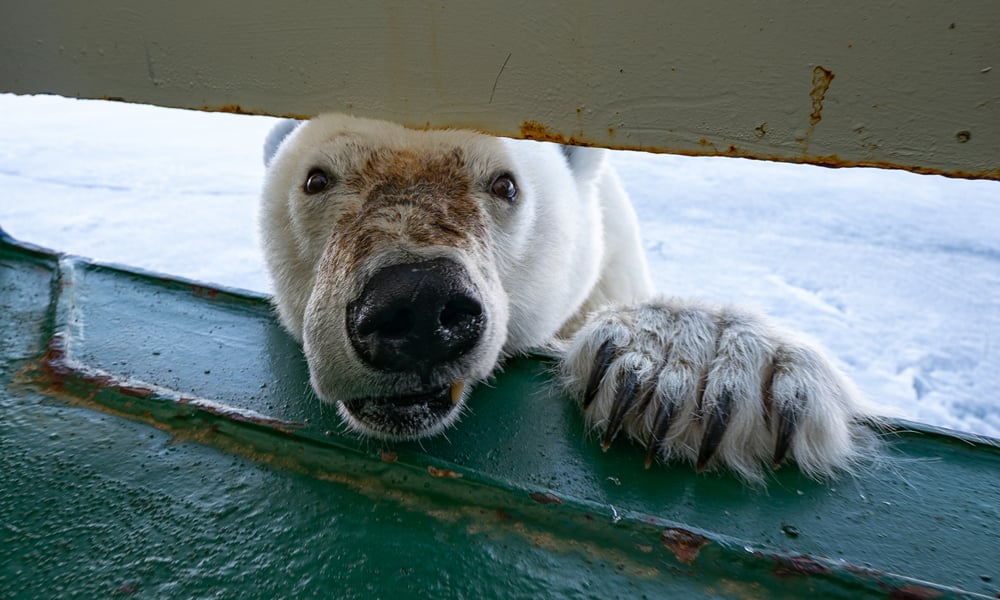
(585, 163)
(274, 138)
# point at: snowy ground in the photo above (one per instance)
(898, 274)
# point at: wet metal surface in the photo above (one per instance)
(158, 439)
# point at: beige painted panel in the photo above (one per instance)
(906, 84)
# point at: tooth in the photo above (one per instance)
(456, 391)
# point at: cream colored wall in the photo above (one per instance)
(909, 84)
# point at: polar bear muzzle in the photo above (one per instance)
(416, 318)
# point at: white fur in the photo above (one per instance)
(563, 269)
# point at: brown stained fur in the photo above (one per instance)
(427, 197)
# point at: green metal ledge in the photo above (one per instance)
(158, 438)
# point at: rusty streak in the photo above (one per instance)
(57, 371)
(533, 130)
(822, 78)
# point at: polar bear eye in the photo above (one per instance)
(317, 181)
(503, 187)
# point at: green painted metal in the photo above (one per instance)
(158, 439)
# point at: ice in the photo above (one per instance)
(897, 274)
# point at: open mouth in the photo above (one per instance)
(406, 416)
(447, 395)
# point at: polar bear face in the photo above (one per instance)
(408, 263)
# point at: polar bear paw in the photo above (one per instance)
(715, 386)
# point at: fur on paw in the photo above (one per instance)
(715, 386)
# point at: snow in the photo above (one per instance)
(897, 274)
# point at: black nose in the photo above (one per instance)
(414, 317)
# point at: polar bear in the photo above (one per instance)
(410, 263)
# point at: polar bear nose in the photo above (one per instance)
(414, 317)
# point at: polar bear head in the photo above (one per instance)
(408, 263)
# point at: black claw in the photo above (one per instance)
(715, 426)
(661, 425)
(605, 354)
(788, 418)
(624, 400)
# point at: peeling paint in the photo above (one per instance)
(544, 498)
(787, 566)
(686, 545)
(914, 592)
(443, 473)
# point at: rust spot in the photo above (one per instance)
(503, 515)
(913, 591)
(235, 109)
(533, 130)
(443, 473)
(544, 498)
(204, 292)
(822, 78)
(54, 359)
(58, 373)
(832, 161)
(683, 543)
(135, 391)
(388, 456)
(798, 565)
